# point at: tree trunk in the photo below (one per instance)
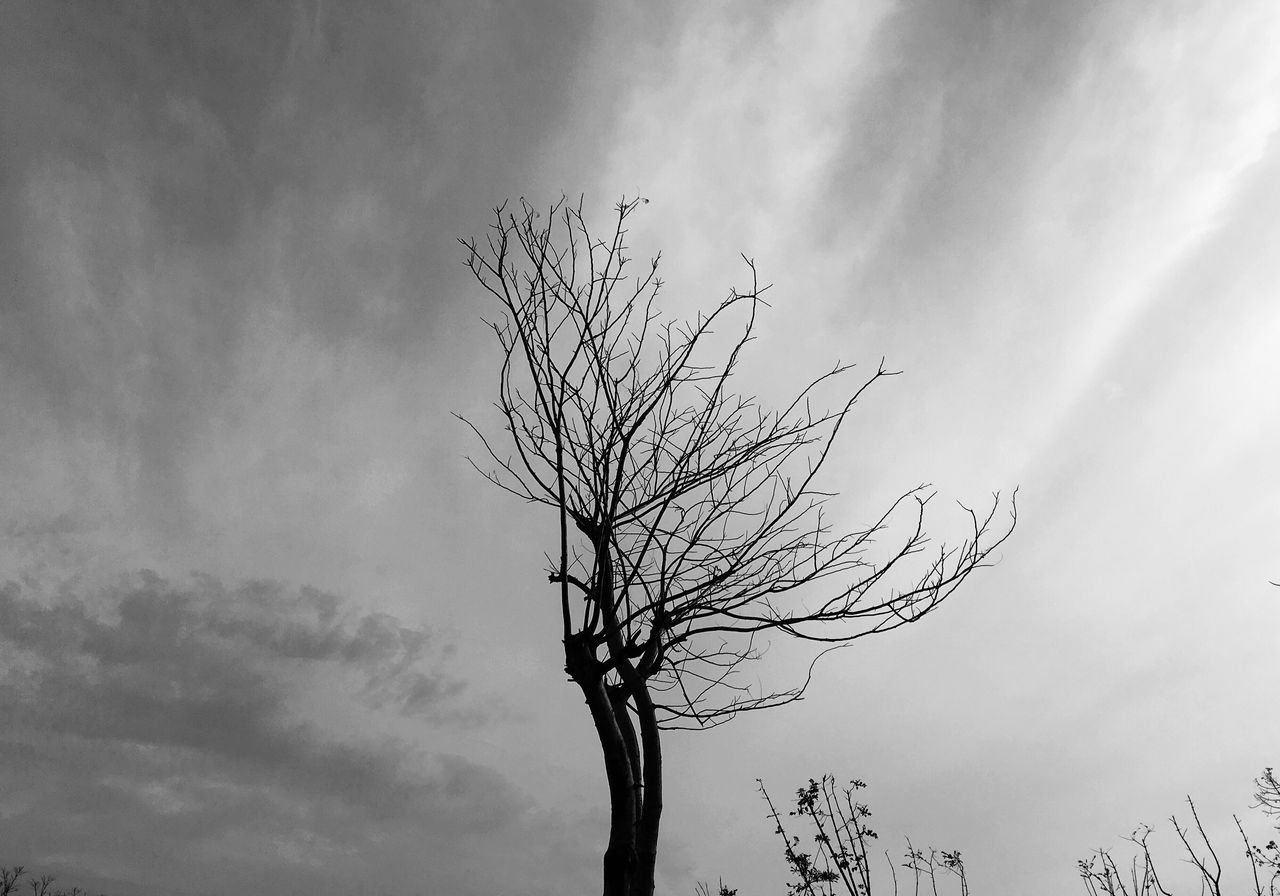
(618, 700)
(620, 858)
(633, 767)
(651, 809)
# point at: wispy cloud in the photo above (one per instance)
(187, 181)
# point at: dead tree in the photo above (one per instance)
(691, 519)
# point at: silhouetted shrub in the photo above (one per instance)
(840, 860)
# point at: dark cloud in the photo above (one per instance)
(161, 722)
(175, 173)
(192, 133)
(170, 649)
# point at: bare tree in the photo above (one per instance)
(1268, 794)
(40, 886)
(9, 879)
(1103, 876)
(691, 521)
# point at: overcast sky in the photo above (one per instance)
(262, 629)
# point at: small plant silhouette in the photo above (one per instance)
(1103, 876)
(841, 862)
(39, 886)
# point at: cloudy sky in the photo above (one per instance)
(263, 630)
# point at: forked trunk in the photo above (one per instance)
(620, 858)
(633, 769)
(633, 766)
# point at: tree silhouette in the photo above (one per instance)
(40, 886)
(9, 878)
(1102, 875)
(842, 840)
(691, 522)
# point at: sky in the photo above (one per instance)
(263, 629)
